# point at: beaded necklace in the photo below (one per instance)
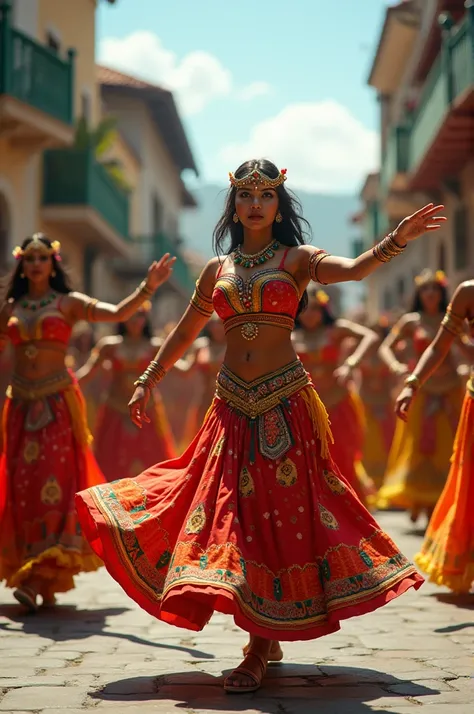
(250, 260)
(36, 304)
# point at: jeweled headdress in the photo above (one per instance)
(258, 178)
(37, 244)
(322, 298)
(428, 276)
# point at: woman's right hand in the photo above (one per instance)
(403, 402)
(137, 406)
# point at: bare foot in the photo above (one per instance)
(247, 677)
(27, 597)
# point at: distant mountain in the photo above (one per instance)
(328, 216)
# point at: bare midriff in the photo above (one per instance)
(268, 352)
(49, 359)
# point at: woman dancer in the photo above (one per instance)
(447, 553)
(254, 519)
(376, 392)
(418, 462)
(81, 346)
(207, 359)
(318, 343)
(46, 455)
(122, 450)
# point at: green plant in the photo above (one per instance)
(100, 140)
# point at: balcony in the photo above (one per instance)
(441, 137)
(81, 198)
(146, 249)
(36, 90)
(395, 160)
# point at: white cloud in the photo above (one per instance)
(325, 148)
(255, 89)
(196, 79)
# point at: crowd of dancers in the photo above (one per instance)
(241, 474)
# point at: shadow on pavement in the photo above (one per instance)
(345, 691)
(64, 623)
(463, 600)
(455, 628)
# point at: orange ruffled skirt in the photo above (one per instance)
(447, 553)
(122, 450)
(253, 520)
(419, 459)
(45, 461)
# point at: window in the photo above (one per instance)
(461, 245)
(387, 299)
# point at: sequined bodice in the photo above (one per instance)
(50, 325)
(422, 338)
(273, 291)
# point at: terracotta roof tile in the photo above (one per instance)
(113, 77)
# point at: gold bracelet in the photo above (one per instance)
(313, 265)
(153, 374)
(387, 249)
(413, 382)
(143, 288)
(351, 362)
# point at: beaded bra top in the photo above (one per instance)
(49, 325)
(268, 297)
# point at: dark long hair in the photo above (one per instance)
(328, 318)
(293, 230)
(417, 305)
(146, 332)
(15, 286)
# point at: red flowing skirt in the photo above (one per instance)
(46, 460)
(253, 520)
(122, 450)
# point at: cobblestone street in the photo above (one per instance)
(98, 652)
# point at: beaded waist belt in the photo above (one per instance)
(21, 388)
(263, 394)
(248, 323)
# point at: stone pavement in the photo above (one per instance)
(98, 652)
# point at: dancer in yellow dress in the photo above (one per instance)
(419, 459)
(447, 553)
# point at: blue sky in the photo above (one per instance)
(281, 79)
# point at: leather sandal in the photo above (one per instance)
(244, 670)
(26, 596)
(275, 654)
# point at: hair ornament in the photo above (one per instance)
(145, 307)
(36, 243)
(322, 298)
(428, 276)
(258, 178)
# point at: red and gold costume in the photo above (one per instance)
(377, 398)
(419, 458)
(345, 408)
(46, 459)
(254, 519)
(121, 449)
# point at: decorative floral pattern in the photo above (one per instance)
(246, 484)
(31, 451)
(51, 493)
(287, 473)
(196, 521)
(327, 518)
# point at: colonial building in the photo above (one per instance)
(423, 72)
(153, 149)
(47, 81)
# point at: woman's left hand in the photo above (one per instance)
(403, 403)
(422, 221)
(342, 375)
(159, 271)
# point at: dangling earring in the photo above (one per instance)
(235, 218)
(22, 275)
(278, 217)
(53, 274)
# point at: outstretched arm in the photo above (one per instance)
(399, 331)
(99, 354)
(82, 307)
(367, 338)
(178, 341)
(452, 327)
(326, 269)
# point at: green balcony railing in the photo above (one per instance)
(74, 177)
(34, 74)
(153, 247)
(395, 160)
(357, 247)
(451, 76)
